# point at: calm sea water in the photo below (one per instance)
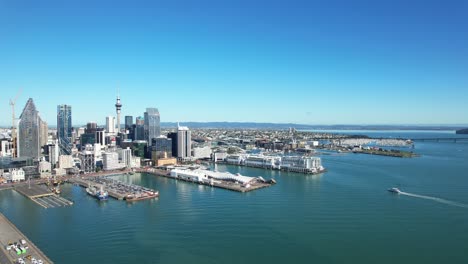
(343, 216)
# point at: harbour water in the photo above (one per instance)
(343, 216)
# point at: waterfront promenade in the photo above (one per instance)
(10, 234)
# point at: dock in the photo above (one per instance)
(116, 189)
(42, 196)
(11, 234)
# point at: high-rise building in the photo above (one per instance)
(126, 157)
(110, 125)
(101, 136)
(91, 127)
(140, 121)
(160, 145)
(110, 161)
(173, 137)
(64, 128)
(128, 122)
(44, 135)
(118, 107)
(184, 142)
(152, 126)
(88, 163)
(29, 132)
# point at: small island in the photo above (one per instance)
(462, 131)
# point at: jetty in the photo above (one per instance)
(11, 235)
(42, 196)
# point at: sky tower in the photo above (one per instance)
(118, 107)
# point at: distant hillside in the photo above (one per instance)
(253, 125)
(462, 131)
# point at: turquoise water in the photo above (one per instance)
(343, 216)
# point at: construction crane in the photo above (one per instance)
(13, 122)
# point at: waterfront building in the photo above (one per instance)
(136, 162)
(152, 124)
(260, 161)
(110, 161)
(29, 131)
(125, 156)
(173, 137)
(65, 161)
(45, 169)
(14, 175)
(165, 162)
(53, 153)
(110, 125)
(202, 152)
(162, 144)
(6, 148)
(64, 129)
(301, 164)
(88, 163)
(184, 142)
(139, 148)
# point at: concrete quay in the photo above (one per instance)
(10, 234)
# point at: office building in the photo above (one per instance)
(29, 131)
(91, 127)
(162, 144)
(65, 162)
(128, 122)
(184, 142)
(152, 124)
(126, 157)
(100, 136)
(110, 125)
(88, 163)
(64, 129)
(110, 161)
(173, 137)
(44, 133)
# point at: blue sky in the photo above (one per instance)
(310, 62)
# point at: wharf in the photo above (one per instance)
(117, 189)
(12, 234)
(85, 183)
(42, 196)
(228, 185)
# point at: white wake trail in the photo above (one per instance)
(440, 200)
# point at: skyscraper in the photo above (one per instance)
(64, 129)
(152, 126)
(44, 135)
(110, 125)
(118, 107)
(128, 122)
(184, 142)
(29, 132)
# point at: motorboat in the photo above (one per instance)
(394, 190)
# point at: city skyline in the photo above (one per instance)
(295, 62)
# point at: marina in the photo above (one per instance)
(116, 189)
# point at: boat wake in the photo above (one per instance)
(440, 200)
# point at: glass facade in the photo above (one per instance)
(152, 124)
(29, 132)
(64, 129)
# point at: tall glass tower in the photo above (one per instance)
(64, 128)
(152, 124)
(29, 132)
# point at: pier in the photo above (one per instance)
(255, 184)
(42, 196)
(117, 189)
(9, 235)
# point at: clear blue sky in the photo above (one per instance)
(311, 62)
